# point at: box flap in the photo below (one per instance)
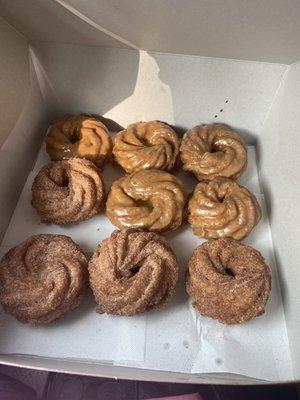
(15, 77)
(49, 21)
(258, 30)
(280, 173)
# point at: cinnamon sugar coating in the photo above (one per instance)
(222, 208)
(210, 151)
(42, 279)
(147, 199)
(79, 136)
(132, 271)
(228, 281)
(68, 191)
(146, 145)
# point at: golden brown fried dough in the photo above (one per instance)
(150, 199)
(222, 208)
(210, 151)
(68, 191)
(228, 281)
(81, 137)
(43, 278)
(132, 272)
(146, 145)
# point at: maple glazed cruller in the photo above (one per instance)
(222, 208)
(146, 145)
(79, 136)
(215, 150)
(228, 281)
(43, 278)
(132, 271)
(149, 199)
(68, 191)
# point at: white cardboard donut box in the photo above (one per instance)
(234, 62)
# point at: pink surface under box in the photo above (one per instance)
(194, 396)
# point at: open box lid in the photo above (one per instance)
(257, 30)
(237, 29)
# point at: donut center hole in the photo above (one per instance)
(144, 203)
(74, 136)
(214, 148)
(126, 274)
(229, 271)
(220, 198)
(135, 270)
(145, 141)
(63, 180)
(60, 177)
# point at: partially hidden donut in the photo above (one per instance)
(79, 136)
(43, 278)
(68, 191)
(146, 145)
(222, 208)
(149, 199)
(228, 281)
(210, 151)
(132, 272)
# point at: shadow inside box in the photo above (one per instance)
(111, 125)
(265, 189)
(111, 172)
(282, 283)
(183, 250)
(179, 299)
(87, 306)
(86, 80)
(180, 130)
(249, 137)
(182, 247)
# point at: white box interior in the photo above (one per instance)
(42, 81)
(157, 340)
